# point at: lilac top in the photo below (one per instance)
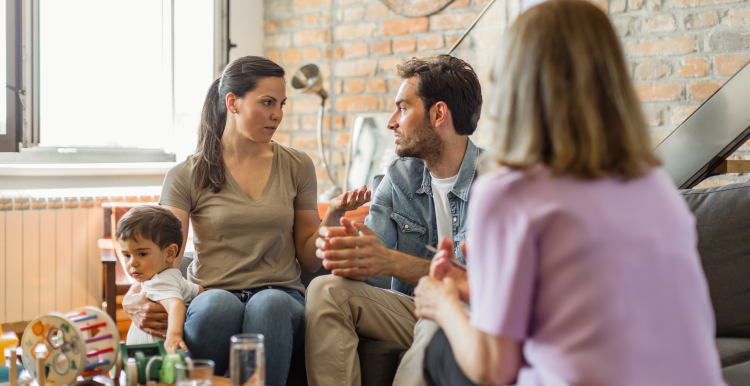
(601, 280)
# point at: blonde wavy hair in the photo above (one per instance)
(562, 96)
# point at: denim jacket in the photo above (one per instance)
(402, 212)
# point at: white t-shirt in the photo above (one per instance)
(164, 285)
(440, 189)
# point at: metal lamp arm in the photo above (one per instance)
(321, 153)
(450, 51)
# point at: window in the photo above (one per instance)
(120, 73)
(193, 70)
(104, 76)
(3, 67)
(10, 113)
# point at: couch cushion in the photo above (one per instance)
(733, 350)
(723, 222)
(187, 258)
(737, 375)
(378, 361)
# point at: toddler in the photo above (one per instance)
(150, 239)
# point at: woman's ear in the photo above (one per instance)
(231, 101)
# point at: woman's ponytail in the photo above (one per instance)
(239, 77)
(209, 168)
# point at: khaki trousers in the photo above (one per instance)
(340, 310)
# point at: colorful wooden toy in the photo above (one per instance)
(149, 362)
(58, 348)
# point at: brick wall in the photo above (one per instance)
(680, 52)
(358, 45)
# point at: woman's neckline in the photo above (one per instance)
(269, 182)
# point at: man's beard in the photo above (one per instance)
(422, 143)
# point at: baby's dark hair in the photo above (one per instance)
(153, 223)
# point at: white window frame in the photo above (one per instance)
(33, 128)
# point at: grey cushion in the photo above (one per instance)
(733, 350)
(737, 375)
(378, 361)
(723, 221)
(187, 258)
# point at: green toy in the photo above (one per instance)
(146, 362)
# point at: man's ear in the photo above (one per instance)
(439, 114)
(172, 253)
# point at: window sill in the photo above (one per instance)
(84, 155)
(86, 169)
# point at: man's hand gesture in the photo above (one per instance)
(347, 253)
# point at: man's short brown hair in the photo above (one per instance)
(443, 78)
(153, 223)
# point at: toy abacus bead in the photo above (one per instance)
(102, 351)
(58, 348)
(82, 318)
(92, 366)
(103, 337)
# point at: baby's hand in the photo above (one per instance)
(173, 343)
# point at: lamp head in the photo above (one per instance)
(308, 80)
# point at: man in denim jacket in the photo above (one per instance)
(437, 108)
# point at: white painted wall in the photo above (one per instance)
(246, 27)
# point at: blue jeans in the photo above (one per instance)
(277, 313)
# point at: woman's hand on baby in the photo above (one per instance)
(173, 343)
(147, 315)
(351, 200)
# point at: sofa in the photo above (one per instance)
(378, 359)
(723, 222)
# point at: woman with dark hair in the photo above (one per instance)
(582, 259)
(253, 207)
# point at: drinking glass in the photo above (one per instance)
(197, 372)
(247, 360)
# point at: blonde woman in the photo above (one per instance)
(583, 267)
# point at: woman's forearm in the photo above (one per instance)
(332, 218)
(484, 359)
(306, 227)
(306, 254)
(462, 340)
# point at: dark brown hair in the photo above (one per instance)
(443, 78)
(239, 77)
(153, 223)
(562, 96)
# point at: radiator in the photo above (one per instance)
(49, 253)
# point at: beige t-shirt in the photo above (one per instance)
(241, 243)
